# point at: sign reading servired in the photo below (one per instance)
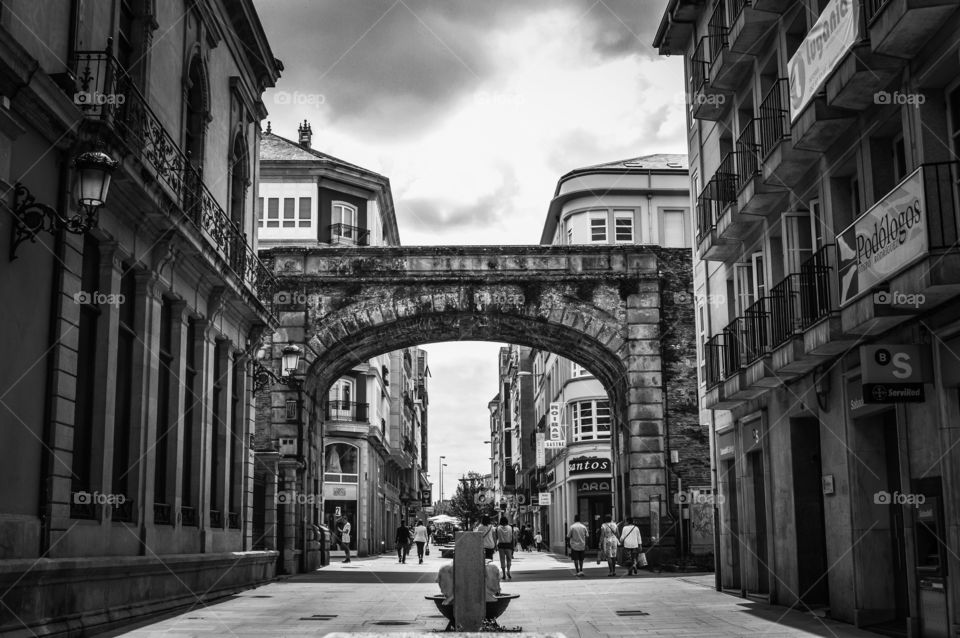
(835, 31)
(894, 373)
(884, 240)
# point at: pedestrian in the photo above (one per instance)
(538, 540)
(506, 542)
(630, 538)
(489, 537)
(420, 538)
(403, 542)
(608, 544)
(577, 542)
(343, 528)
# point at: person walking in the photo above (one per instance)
(577, 542)
(343, 527)
(631, 541)
(403, 542)
(489, 541)
(506, 541)
(420, 538)
(538, 541)
(609, 542)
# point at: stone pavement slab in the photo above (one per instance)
(379, 596)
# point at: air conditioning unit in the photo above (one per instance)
(288, 447)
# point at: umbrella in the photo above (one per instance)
(444, 518)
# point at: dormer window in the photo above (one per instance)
(344, 229)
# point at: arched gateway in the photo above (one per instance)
(622, 312)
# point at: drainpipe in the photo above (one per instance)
(666, 428)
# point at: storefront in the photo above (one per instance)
(340, 487)
(589, 488)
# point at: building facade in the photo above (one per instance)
(363, 446)
(126, 387)
(823, 143)
(561, 457)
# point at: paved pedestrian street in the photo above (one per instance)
(378, 595)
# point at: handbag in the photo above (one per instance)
(428, 551)
(642, 559)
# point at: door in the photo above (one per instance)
(341, 400)
(761, 584)
(731, 575)
(808, 512)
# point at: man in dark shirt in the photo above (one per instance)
(403, 542)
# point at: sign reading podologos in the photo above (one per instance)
(820, 52)
(884, 240)
(893, 373)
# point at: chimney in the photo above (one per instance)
(305, 134)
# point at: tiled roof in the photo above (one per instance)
(274, 148)
(661, 161)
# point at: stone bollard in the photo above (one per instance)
(469, 586)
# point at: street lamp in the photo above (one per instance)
(93, 169)
(440, 464)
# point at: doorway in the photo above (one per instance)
(593, 510)
(731, 571)
(758, 581)
(810, 525)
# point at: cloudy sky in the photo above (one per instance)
(473, 109)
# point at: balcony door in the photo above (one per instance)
(797, 241)
(341, 400)
(344, 223)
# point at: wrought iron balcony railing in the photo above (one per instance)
(233, 520)
(941, 181)
(747, 338)
(105, 92)
(815, 286)
(713, 354)
(774, 117)
(338, 410)
(162, 514)
(346, 234)
(216, 519)
(699, 66)
(872, 8)
(717, 30)
(786, 319)
(748, 164)
(736, 8)
(188, 516)
(719, 192)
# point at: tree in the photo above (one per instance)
(471, 502)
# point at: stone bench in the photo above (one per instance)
(497, 609)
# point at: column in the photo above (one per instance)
(204, 349)
(178, 397)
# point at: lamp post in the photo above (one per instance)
(440, 469)
(263, 376)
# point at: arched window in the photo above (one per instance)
(342, 401)
(196, 113)
(341, 463)
(239, 179)
(344, 227)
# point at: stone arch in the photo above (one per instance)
(600, 306)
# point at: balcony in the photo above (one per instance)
(782, 163)
(900, 28)
(749, 27)
(882, 284)
(772, 6)
(790, 308)
(820, 317)
(858, 76)
(216, 519)
(710, 245)
(338, 410)
(707, 101)
(135, 126)
(754, 196)
(728, 67)
(344, 234)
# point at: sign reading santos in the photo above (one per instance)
(589, 465)
(884, 240)
(824, 46)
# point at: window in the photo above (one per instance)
(125, 421)
(673, 232)
(797, 243)
(899, 159)
(591, 420)
(164, 424)
(344, 222)
(702, 329)
(341, 463)
(273, 213)
(623, 225)
(289, 212)
(341, 400)
(83, 430)
(239, 177)
(189, 413)
(305, 215)
(598, 226)
(217, 429)
(576, 370)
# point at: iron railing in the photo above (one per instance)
(125, 512)
(713, 354)
(188, 516)
(748, 164)
(774, 117)
(233, 520)
(815, 286)
(162, 514)
(717, 31)
(347, 234)
(719, 192)
(725, 180)
(737, 7)
(732, 347)
(786, 320)
(106, 92)
(940, 186)
(338, 410)
(216, 519)
(699, 67)
(756, 320)
(706, 216)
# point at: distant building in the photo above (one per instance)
(368, 442)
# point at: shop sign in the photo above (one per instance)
(893, 373)
(534, 499)
(339, 492)
(593, 486)
(589, 465)
(557, 439)
(541, 450)
(545, 498)
(821, 50)
(882, 242)
(725, 445)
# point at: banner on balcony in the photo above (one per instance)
(821, 50)
(883, 241)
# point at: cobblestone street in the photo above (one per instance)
(378, 595)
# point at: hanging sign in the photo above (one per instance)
(541, 450)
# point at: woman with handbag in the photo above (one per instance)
(609, 543)
(506, 541)
(487, 532)
(630, 538)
